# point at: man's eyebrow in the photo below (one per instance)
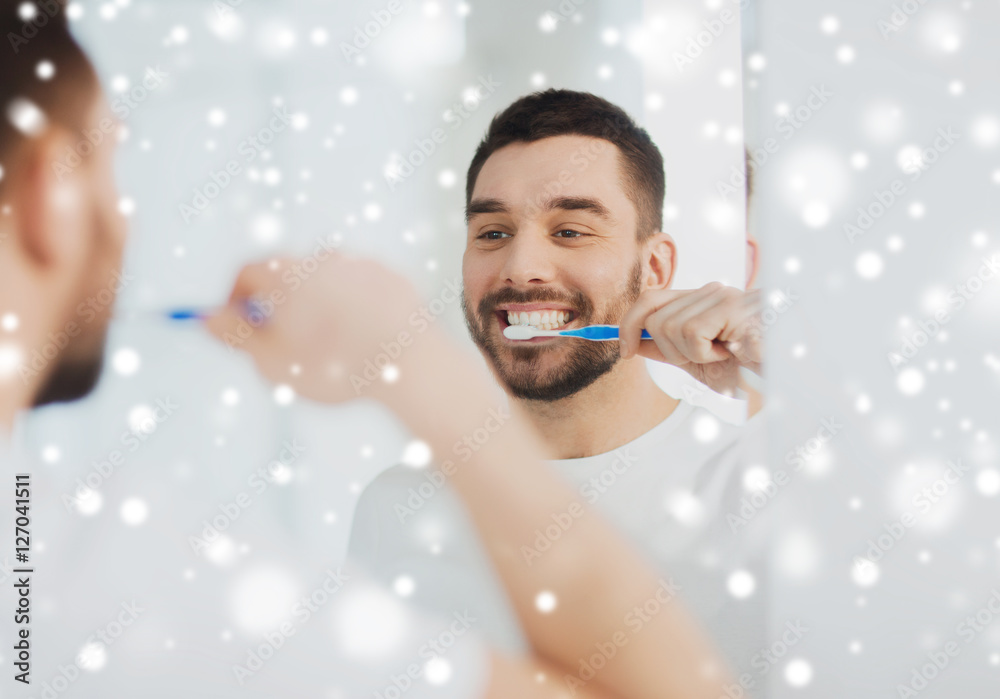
(497, 206)
(590, 204)
(484, 206)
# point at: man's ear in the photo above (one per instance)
(661, 256)
(753, 260)
(51, 210)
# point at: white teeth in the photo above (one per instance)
(543, 320)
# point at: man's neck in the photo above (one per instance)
(620, 406)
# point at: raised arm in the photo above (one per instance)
(598, 592)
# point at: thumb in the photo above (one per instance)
(231, 326)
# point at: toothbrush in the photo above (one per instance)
(184, 313)
(590, 332)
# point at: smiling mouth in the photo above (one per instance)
(551, 319)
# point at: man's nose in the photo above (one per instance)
(529, 260)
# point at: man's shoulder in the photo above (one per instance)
(410, 523)
(406, 490)
(392, 509)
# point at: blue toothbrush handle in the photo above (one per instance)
(250, 306)
(599, 332)
(187, 314)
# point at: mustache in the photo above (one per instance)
(491, 300)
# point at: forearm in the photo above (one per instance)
(595, 577)
(534, 678)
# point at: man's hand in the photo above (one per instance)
(709, 332)
(317, 328)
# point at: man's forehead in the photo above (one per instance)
(568, 155)
(541, 172)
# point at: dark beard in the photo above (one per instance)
(586, 362)
(70, 380)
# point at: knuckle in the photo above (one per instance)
(669, 328)
(690, 330)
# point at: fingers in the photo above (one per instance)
(258, 279)
(744, 316)
(634, 321)
(227, 322)
(743, 334)
(685, 325)
(631, 325)
(700, 327)
(694, 328)
(233, 324)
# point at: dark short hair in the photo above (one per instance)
(66, 98)
(566, 112)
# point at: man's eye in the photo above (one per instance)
(492, 235)
(572, 233)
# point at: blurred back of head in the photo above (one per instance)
(60, 235)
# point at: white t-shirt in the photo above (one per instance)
(120, 604)
(669, 491)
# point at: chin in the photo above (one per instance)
(70, 381)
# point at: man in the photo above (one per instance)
(106, 595)
(563, 202)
